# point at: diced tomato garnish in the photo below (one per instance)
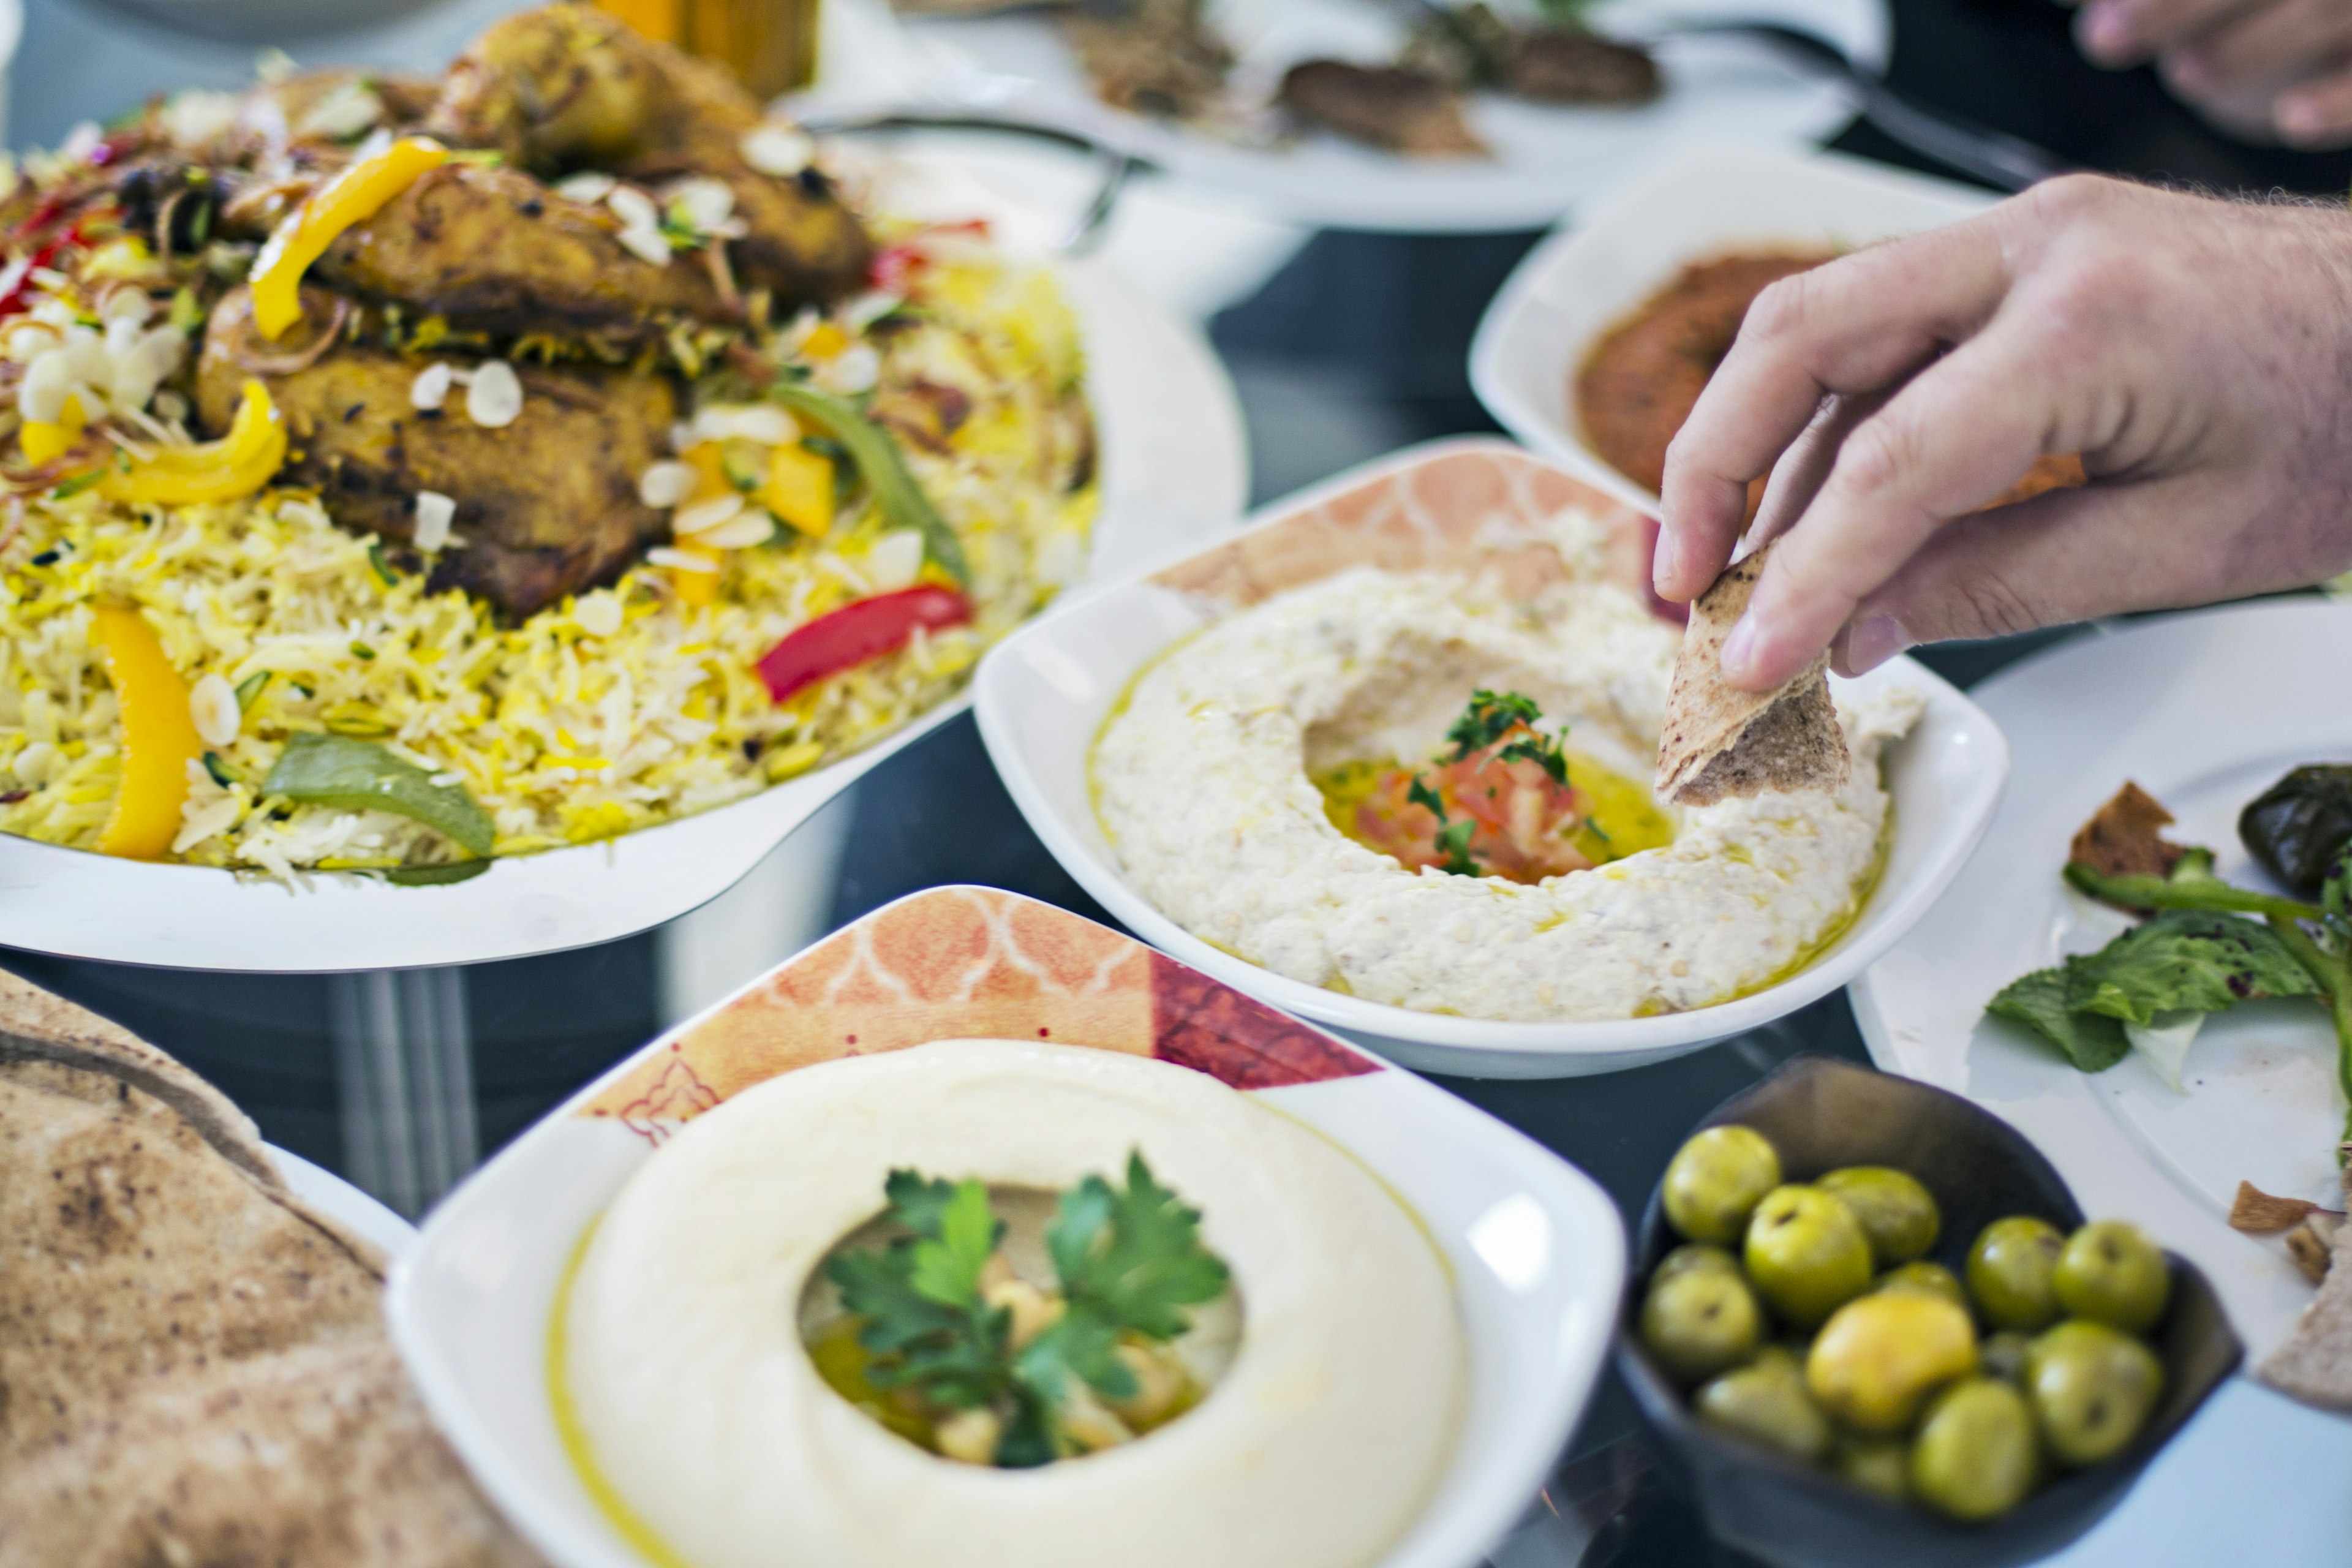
(1524, 823)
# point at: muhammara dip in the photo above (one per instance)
(1207, 786)
(701, 1406)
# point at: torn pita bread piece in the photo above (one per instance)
(194, 1361)
(1721, 742)
(2315, 1365)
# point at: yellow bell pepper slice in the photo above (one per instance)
(800, 488)
(44, 441)
(234, 466)
(353, 196)
(697, 589)
(159, 737)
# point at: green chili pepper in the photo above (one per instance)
(250, 688)
(360, 775)
(383, 567)
(222, 773)
(904, 504)
(436, 876)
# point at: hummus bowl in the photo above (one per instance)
(1489, 512)
(487, 1307)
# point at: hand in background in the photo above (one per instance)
(2196, 353)
(2263, 69)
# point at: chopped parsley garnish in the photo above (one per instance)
(1488, 719)
(1127, 1260)
(1454, 840)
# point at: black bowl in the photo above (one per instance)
(1822, 1112)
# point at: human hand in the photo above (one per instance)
(2196, 353)
(2259, 69)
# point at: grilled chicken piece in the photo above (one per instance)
(1401, 110)
(547, 506)
(566, 88)
(496, 251)
(1566, 65)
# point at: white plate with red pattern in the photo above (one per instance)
(1535, 1248)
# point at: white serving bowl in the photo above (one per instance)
(1629, 244)
(1044, 694)
(1536, 1249)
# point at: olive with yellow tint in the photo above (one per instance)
(1880, 1465)
(1715, 1180)
(2092, 1387)
(2013, 1272)
(1700, 1320)
(1880, 1356)
(1898, 1213)
(1930, 1278)
(1806, 1254)
(1974, 1457)
(2110, 1272)
(1694, 1254)
(1766, 1402)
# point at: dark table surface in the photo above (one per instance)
(1380, 323)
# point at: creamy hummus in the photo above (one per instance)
(701, 1406)
(1203, 782)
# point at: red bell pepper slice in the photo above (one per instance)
(857, 632)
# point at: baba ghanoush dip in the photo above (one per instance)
(1418, 789)
(985, 1302)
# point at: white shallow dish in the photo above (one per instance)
(1630, 242)
(338, 1200)
(1545, 158)
(1175, 471)
(2204, 711)
(1045, 693)
(1536, 1249)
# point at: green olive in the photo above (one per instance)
(2003, 1355)
(1714, 1181)
(1701, 1321)
(2013, 1272)
(1766, 1402)
(2092, 1388)
(1880, 1356)
(1896, 1213)
(2110, 1272)
(1874, 1464)
(1974, 1457)
(1806, 1254)
(1693, 1255)
(1927, 1279)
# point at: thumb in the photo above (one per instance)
(2066, 555)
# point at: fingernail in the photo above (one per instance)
(1661, 563)
(1873, 642)
(2299, 119)
(1739, 651)
(2106, 32)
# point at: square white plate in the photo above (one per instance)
(1629, 243)
(1044, 694)
(1536, 1249)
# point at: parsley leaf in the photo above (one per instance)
(1488, 719)
(925, 1322)
(1544, 752)
(1454, 840)
(1422, 795)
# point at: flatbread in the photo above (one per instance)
(193, 1367)
(2315, 1365)
(1719, 741)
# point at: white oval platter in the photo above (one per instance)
(1174, 473)
(1545, 158)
